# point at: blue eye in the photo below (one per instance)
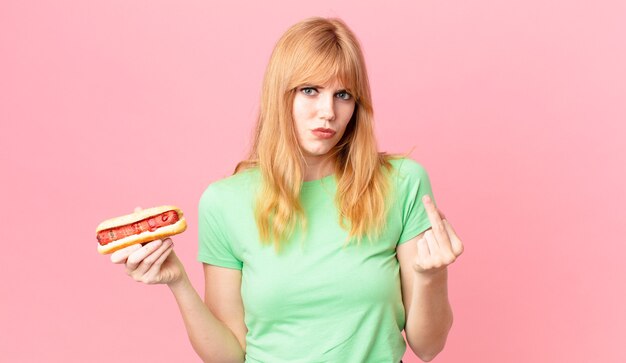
(344, 95)
(309, 91)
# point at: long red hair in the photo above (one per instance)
(316, 51)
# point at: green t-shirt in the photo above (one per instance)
(318, 300)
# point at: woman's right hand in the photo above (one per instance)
(153, 263)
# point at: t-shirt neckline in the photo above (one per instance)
(316, 182)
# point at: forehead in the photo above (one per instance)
(332, 71)
(333, 84)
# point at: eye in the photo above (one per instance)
(344, 95)
(309, 91)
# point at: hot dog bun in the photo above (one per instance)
(144, 236)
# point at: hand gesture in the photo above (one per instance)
(440, 246)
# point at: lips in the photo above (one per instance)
(324, 133)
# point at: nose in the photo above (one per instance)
(326, 107)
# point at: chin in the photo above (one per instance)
(315, 153)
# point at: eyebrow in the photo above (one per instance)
(322, 87)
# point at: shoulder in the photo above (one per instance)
(236, 181)
(404, 169)
(242, 184)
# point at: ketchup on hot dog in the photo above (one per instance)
(149, 224)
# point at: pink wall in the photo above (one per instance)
(516, 109)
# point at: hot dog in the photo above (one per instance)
(140, 227)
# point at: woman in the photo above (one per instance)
(318, 248)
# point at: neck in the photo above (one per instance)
(317, 167)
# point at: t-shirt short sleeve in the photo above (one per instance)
(214, 247)
(413, 184)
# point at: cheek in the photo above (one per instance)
(299, 112)
(346, 114)
(298, 122)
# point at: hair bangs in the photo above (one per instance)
(325, 64)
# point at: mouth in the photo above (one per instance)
(324, 133)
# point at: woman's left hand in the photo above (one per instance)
(440, 246)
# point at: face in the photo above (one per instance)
(321, 114)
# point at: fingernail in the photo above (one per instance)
(426, 198)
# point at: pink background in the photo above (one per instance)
(516, 109)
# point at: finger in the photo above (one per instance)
(438, 227)
(457, 245)
(440, 255)
(133, 261)
(164, 255)
(121, 255)
(433, 246)
(154, 273)
(151, 259)
(423, 253)
(441, 215)
(431, 210)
